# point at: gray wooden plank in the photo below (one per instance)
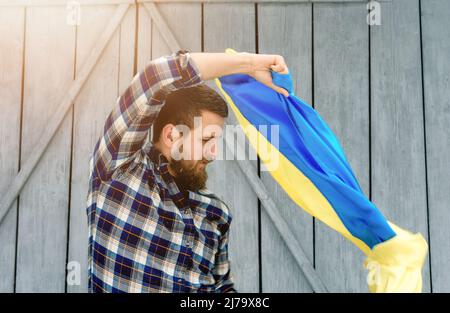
(185, 23)
(436, 76)
(126, 53)
(91, 109)
(11, 32)
(341, 96)
(144, 40)
(290, 240)
(58, 115)
(43, 209)
(285, 29)
(233, 26)
(398, 150)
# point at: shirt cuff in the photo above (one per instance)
(190, 74)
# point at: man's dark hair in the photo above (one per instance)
(182, 105)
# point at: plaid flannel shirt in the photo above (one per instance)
(144, 234)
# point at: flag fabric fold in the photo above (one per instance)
(309, 163)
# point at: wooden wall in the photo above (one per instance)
(384, 90)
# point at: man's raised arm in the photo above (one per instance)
(127, 126)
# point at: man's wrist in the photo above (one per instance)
(247, 62)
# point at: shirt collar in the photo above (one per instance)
(157, 157)
(178, 197)
(181, 198)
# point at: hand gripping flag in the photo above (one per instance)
(310, 165)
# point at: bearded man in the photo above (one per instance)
(153, 225)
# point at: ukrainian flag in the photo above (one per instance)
(310, 165)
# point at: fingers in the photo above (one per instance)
(280, 68)
(281, 90)
(274, 68)
(280, 65)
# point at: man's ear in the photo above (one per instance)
(170, 134)
(167, 136)
(173, 139)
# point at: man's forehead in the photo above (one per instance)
(212, 130)
(212, 124)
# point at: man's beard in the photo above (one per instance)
(189, 177)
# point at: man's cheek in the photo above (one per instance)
(211, 149)
(197, 150)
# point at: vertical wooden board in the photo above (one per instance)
(43, 208)
(185, 23)
(127, 49)
(233, 26)
(341, 96)
(91, 108)
(436, 76)
(285, 29)
(11, 54)
(144, 41)
(398, 152)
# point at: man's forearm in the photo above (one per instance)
(213, 65)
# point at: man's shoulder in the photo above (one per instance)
(216, 202)
(211, 195)
(207, 192)
(131, 168)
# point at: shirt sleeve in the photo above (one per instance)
(126, 127)
(222, 273)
